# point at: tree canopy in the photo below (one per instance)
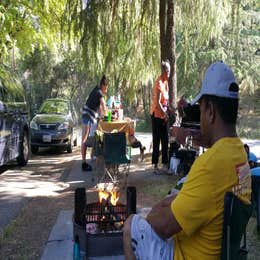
(65, 46)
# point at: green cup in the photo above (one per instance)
(109, 116)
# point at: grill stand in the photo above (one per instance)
(101, 243)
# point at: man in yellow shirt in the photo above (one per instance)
(188, 225)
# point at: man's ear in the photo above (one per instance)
(211, 112)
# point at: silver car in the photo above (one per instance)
(54, 125)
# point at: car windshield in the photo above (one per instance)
(54, 107)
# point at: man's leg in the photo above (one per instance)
(156, 139)
(142, 242)
(85, 133)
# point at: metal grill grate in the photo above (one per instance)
(102, 213)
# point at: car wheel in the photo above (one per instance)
(34, 149)
(23, 156)
(69, 147)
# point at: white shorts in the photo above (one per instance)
(146, 244)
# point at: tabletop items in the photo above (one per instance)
(115, 109)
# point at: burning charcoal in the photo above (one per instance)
(119, 225)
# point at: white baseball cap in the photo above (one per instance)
(217, 81)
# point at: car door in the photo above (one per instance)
(4, 133)
(9, 129)
(13, 123)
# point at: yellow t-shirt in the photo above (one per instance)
(199, 206)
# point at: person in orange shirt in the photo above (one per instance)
(159, 116)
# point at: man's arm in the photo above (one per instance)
(162, 219)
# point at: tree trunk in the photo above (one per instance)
(162, 17)
(168, 45)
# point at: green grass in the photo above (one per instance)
(158, 191)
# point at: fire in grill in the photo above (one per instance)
(101, 223)
(102, 217)
(96, 213)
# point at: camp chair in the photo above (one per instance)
(256, 197)
(236, 217)
(116, 160)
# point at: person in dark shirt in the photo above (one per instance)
(95, 105)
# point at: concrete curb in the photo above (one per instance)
(60, 243)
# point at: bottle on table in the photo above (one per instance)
(109, 116)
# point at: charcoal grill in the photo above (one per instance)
(99, 213)
(105, 216)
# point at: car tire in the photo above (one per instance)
(34, 149)
(23, 156)
(69, 147)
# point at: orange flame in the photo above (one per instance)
(104, 195)
(114, 198)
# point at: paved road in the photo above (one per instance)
(38, 178)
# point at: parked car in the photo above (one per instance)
(14, 122)
(54, 125)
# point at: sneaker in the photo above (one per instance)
(86, 167)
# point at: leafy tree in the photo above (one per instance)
(28, 24)
(77, 41)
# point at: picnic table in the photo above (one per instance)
(116, 126)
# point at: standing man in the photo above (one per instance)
(159, 116)
(194, 216)
(94, 107)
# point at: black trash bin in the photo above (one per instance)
(256, 194)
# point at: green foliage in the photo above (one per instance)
(10, 86)
(50, 75)
(26, 24)
(121, 40)
(64, 49)
(234, 40)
